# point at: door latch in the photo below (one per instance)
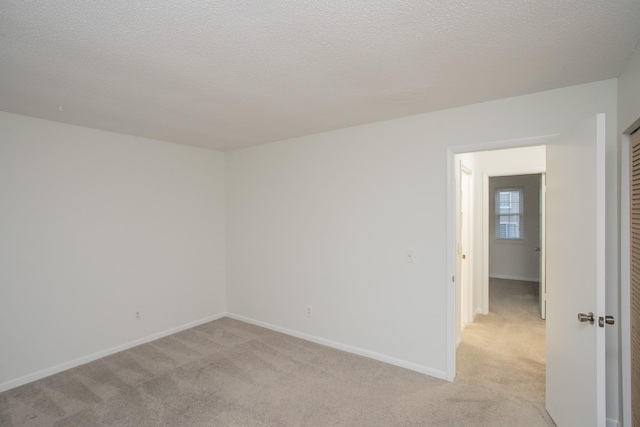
(609, 320)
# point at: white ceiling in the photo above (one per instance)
(230, 74)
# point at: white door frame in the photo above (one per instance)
(542, 289)
(452, 232)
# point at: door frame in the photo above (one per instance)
(453, 232)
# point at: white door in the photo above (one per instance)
(543, 267)
(465, 240)
(575, 394)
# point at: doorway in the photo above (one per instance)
(516, 235)
(480, 167)
(517, 171)
(522, 156)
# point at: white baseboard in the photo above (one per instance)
(344, 347)
(91, 357)
(523, 279)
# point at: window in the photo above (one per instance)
(509, 203)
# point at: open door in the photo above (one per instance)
(465, 243)
(541, 248)
(575, 272)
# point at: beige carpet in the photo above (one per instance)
(228, 373)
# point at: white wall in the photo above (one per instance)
(325, 220)
(629, 93)
(95, 226)
(628, 114)
(516, 259)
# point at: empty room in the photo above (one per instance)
(275, 213)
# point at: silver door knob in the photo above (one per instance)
(586, 317)
(537, 249)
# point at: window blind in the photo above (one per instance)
(509, 213)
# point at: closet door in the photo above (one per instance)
(634, 298)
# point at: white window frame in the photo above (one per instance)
(519, 214)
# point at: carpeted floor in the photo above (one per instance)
(229, 373)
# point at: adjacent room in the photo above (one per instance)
(277, 213)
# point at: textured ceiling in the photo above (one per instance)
(230, 74)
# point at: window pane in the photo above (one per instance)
(509, 213)
(508, 202)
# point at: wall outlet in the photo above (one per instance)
(137, 315)
(308, 311)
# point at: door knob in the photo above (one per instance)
(537, 249)
(586, 317)
(464, 256)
